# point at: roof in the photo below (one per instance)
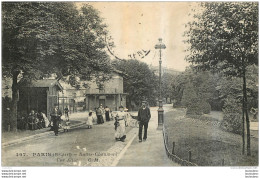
(120, 72)
(45, 83)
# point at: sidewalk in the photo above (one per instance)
(151, 152)
(13, 138)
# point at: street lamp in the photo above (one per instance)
(160, 46)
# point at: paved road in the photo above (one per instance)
(91, 147)
(77, 147)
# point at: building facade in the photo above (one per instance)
(39, 95)
(111, 94)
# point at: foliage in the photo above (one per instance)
(200, 90)
(167, 81)
(6, 105)
(222, 34)
(189, 95)
(177, 85)
(252, 86)
(205, 106)
(42, 38)
(223, 37)
(232, 115)
(140, 83)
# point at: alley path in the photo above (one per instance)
(152, 151)
(91, 147)
(78, 147)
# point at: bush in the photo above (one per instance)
(6, 112)
(205, 107)
(194, 107)
(232, 120)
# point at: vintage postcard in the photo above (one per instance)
(130, 84)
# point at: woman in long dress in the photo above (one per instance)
(120, 125)
(107, 112)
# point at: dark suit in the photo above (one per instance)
(56, 118)
(144, 116)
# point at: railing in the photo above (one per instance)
(106, 90)
(172, 155)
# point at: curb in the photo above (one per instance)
(36, 136)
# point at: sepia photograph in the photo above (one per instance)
(130, 84)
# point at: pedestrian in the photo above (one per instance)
(99, 113)
(128, 116)
(32, 120)
(66, 111)
(120, 124)
(40, 123)
(103, 113)
(107, 112)
(144, 116)
(90, 120)
(46, 120)
(56, 118)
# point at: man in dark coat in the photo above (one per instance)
(32, 120)
(56, 118)
(144, 116)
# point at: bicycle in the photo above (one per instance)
(133, 122)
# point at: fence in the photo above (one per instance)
(172, 155)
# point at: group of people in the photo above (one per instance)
(100, 113)
(144, 116)
(33, 121)
(39, 120)
(56, 120)
(121, 123)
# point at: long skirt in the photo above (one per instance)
(100, 119)
(56, 126)
(120, 130)
(107, 116)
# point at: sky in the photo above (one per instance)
(137, 26)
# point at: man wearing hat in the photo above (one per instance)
(56, 118)
(144, 116)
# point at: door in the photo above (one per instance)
(102, 101)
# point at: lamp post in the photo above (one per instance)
(160, 46)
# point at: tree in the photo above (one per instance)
(224, 37)
(178, 85)
(167, 80)
(140, 83)
(42, 38)
(190, 100)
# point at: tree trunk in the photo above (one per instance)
(243, 128)
(246, 109)
(13, 123)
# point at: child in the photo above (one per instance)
(66, 124)
(90, 119)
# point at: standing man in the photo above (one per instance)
(99, 113)
(56, 118)
(144, 116)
